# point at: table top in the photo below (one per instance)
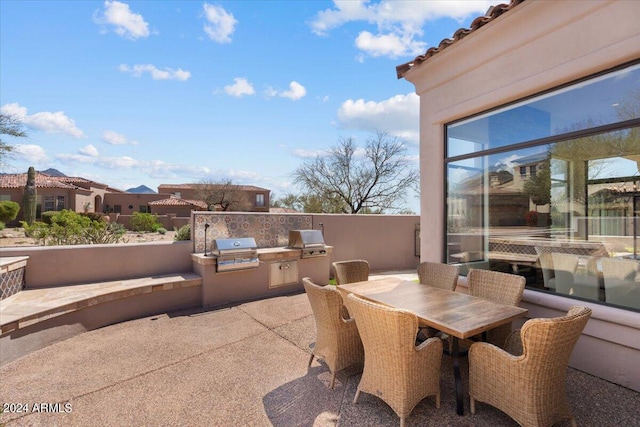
(454, 313)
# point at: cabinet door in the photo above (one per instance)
(283, 273)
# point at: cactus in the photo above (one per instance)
(29, 197)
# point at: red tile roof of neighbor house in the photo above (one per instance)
(493, 13)
(19, 180)
(194, 186)
(177, 201)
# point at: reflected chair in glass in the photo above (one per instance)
(546, 265)
(568, 282)
(503, 288)
(356, 270)
(620, 285)
(528, 383)
(337, 340)
(395, 369)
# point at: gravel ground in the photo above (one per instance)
(14, 237)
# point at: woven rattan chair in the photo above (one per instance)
(443, 276)
(504, 288)
(395, 370)
(337, 339)
(356, 270)
(529, 386)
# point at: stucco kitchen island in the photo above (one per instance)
(280, 271)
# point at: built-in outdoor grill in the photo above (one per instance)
(310, 241)
(235, 254)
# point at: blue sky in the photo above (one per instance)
(167, 92)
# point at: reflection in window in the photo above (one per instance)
(564, 214)
(600, 101)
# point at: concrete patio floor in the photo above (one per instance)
(239, 366)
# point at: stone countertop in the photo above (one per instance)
(11, 263)
(264, 254)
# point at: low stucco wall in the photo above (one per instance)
(387, 242)
(68, 265)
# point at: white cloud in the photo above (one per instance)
(295, 92)
(115, 138)
(45, 121)
(399, 24)
(158, 169)
(156, 73)
(126, 23)
(221, 24)
(391, 45)
(398, 115)
(306, 154)
(240, 87)
(30, 152)
(89, 150)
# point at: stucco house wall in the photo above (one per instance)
(536, 46)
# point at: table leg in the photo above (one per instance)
(458, 379)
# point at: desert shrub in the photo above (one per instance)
(94, 216)
(144, 222)
(162, 230)
(8, 210)
(46, 216)
(110, 233)
(71, 228)
(2, 225)
(183, 233)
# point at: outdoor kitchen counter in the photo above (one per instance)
(279, 272)
(265, 254)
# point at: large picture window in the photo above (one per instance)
(549, 188)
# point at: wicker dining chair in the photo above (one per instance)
(443, 276)
(337, 340)
(395, 369)
(503, 288)
(356, 270)
(530, 385)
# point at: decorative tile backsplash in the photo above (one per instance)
(269, 230)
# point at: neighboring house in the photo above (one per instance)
(244, 198)
(177, 206)
(559, 79)
(55, 193)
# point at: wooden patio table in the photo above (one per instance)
(456, 314)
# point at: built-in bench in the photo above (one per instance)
(32, 306)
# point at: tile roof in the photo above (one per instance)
(194, 186)
(19, 180)
(493, 13)
(177, 201)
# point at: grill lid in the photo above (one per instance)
(225, 246)
(302, 239)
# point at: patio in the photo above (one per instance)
(241, 365)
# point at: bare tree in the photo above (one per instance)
(9, 125)
(221, 195)
(355, 180)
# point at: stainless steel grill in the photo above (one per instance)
(235, 254)
(310, 241)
